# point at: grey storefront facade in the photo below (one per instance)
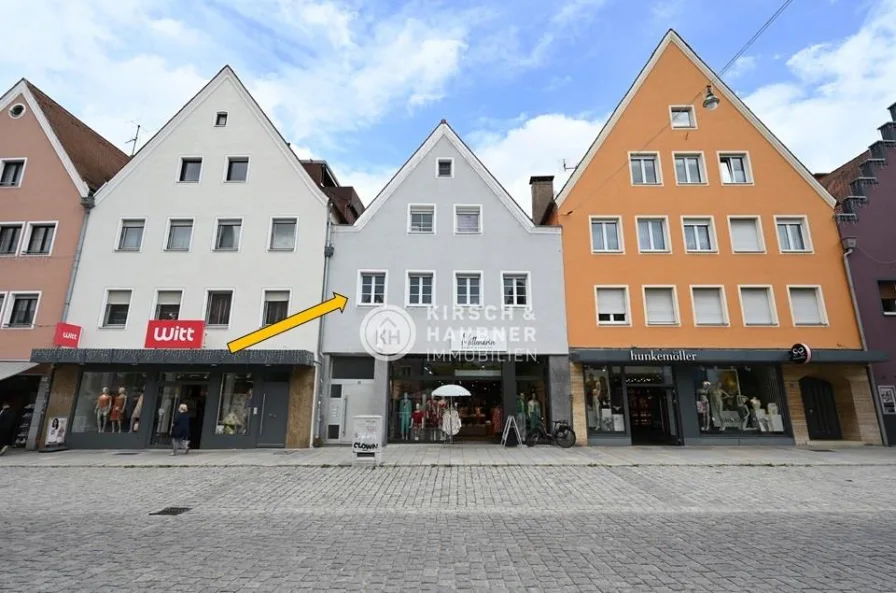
(125, 399)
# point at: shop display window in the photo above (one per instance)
(234, 404)
(604, 400)
(109, 402)
(739, 400)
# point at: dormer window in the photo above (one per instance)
(221, 119)
(445, 168)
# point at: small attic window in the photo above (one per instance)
(445, 168)
(17, 111)
(221, 119)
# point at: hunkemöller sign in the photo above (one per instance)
(662, 356)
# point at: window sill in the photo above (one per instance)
(8, 326)
(209, 326)
(749, 252)
(221, 250)
(675, 324)
(760, 325)
(128, 250)
(736, 183)
(370, 304)
(281, 249)
(796, 252)
(226, 181)
(889, 314)
(467, 232)
(691, 183)
(422, 232)
(701, 251)
(419, 305)
(614, 324)
(712, 325)
(176, 250)
(647, 185)
(467, 306)
(35, 254)
(607, 252)
(184, 182)
(112, 326)
(5, 186)
(810, 324)
(654, 252)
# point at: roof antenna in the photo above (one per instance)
(565, 168)
(133, 141)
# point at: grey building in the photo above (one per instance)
(449, 282)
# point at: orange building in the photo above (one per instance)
(702, 265)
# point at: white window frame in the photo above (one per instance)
(180, 166)
(433, 208)
(101, 324)
(667, 234)
(23, 228)
(407, 289)
(471, 206)
(748, 165)
(441, 160)
(264, 291)
(690, 108)
(714, 248)
(528, 276)
(3, 162)
(822, 307)
(657, 161)
(360, 300)
(218, 115)
(758, 220)
(168, 234)
(239, 236)
(26, 238)
(8, 308)
(481, 287)
(773, 304)
(701, 165)
(227, 160)
(3, 301)
(726, 318)
(155, 300)
(881, 300)
(295, 236)
(676, 311)
(628, 306)
(117, 238)
(804, 228)
(205, 305)
(608, 218)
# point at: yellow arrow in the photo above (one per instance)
(260, 335)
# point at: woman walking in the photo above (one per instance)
(180, 431)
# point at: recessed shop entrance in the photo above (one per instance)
(187, 388)
(651, 408)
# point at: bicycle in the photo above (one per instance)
(562, 434)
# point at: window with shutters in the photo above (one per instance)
(467, 219)
(806, 305)
(734, 169)
(421, 218)
(468, 289)
(709, 305)
(168, 304)
(373, 288)
(276, 306)
(118, 303)
(606, 235)
(699, 235)
(227, 237)
(689, 169)
(420, 288)
(611, 303)
(180, 234)
(659, 305)
(887, 296)
(758, 305)
(652, 235)
(131, 236)
(793, 234)
(217, 307)
(746, 234)
(645, 169)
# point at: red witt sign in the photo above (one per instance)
(67, 335)
(180, 333)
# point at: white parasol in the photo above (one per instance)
(451, 391)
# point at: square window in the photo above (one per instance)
(660, 306)
(689, 169)
(217, 310)
(792, 234)
(709, 306)
(887, 296)
(11, 173)
(221, 119)
(652, 235)
(373, 288)
(276, 306)
(467, 219)
(698, 235)
(23, 311)
(9, 238)
(180, 234)
(516, 290)
(468, 290)
(168, 304)
(421, 219)
(420, 287)
(757, 306)
(611, 306)
(733, 168)
(237, 169)
(683, 117)
(190, 170)
(745, 235)
(227, 237)
(445, 168)
(605, 235)
(40, 239)
(283, 234)
(805, 303)
(118, 302)
(645, 169)
(131, 238)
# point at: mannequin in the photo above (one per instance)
(703, 411)
(451, 423)
(534, 412)
(497, 419)
(521, 414)
(716, 393)
(135, 415)
(119, 403)
(417, 422)
(743, 410)
(103, 406)
(404, 416)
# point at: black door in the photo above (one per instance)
(649, 415)
(822, 421)
(273, 410)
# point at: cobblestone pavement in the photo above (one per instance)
(608, 529)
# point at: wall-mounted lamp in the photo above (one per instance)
(849, 243)
(710, 101)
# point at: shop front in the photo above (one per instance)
(126, 399)
(721, 397)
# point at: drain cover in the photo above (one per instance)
(128, 453)
(172, 511)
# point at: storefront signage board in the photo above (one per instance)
(367, 438)
(800, 354)
(662, 356)
(478, 340)
(887, 394)
(180, 333)
(56, 429)
(67, 335)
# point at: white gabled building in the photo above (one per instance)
(214, 226)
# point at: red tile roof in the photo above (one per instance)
(837, 181)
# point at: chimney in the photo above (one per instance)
(542, 197)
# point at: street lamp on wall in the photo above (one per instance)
(710, 101)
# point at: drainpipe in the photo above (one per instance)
(88, 204)
(849, 243)
(325, 294)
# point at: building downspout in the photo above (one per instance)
(88, 204)
(316, 406)
(868, 368)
